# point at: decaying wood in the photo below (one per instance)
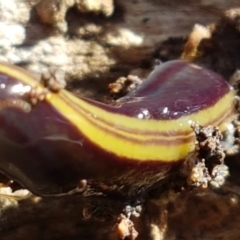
(95, 42)
(98, 39)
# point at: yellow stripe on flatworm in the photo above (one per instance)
(139, 136)
(102, 130)
(106, 138)
(152, 128)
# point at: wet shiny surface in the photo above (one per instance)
(175, 89)
(52, 146)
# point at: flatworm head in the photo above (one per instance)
(132, 144)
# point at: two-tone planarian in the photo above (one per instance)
(54, 145)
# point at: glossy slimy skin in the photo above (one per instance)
(131, 145)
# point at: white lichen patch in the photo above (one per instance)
(105, 7)
(11, 34)
(14, 11)
(125, 38)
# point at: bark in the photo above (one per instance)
(96, 42)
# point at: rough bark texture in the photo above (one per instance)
(95, 42)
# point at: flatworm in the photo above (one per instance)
(132, 144)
